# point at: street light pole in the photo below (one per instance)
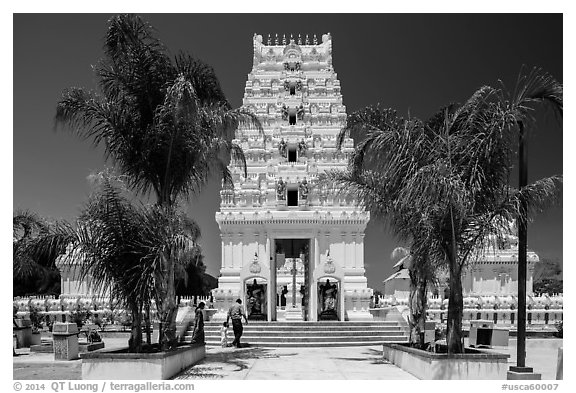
(522, 248)
(520, 371)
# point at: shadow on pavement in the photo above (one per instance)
(374, 356)
(236, 360)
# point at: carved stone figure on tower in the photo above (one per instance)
(302, 147)
(282, 148)
(281, 190)
(300, 112)
(303, 188)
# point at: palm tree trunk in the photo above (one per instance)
(135, 341)
(417, 302)
(147, 322)
(454, 336)
(168, 339)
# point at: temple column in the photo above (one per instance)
(360, 254)
(315, 261)
(273, 290)
(354, 247)
(222, 250)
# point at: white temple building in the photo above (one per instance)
(292, 251)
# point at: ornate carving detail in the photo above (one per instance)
(281, 190)
(255, 265)
(303, 189)
(282, 147)
(300, 112)
(298, 85)
(329, 267)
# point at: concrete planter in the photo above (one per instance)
(115, 364)
(425, 365)
(23, 336)
(36, 338)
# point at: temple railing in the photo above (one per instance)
(542, 310)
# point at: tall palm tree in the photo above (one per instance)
(447, 187)
(389, 150)
(164, 122)
(467, 178)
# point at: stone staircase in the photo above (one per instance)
(310, 334)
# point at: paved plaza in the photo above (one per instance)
(362, 363)
(355, 363)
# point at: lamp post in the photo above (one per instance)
(520, 371)
(522, 248)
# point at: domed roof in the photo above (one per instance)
(292, 48)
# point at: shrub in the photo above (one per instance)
(560, 329)
(35, 318)
(79, 315)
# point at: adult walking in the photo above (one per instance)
(236, 313)
(198, 332)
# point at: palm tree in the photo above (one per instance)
(123, 249)
(164, 122)
(445, 182)
(388, 152)
(36, 247)
(467, 178)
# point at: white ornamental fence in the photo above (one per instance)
(541, 310)
(61, 308)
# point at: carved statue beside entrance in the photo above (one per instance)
(256, 303)
(328, 299)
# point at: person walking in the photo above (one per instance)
(236, 313)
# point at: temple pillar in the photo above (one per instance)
(313, 290)
(273, 289)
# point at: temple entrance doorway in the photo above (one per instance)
(292, 279)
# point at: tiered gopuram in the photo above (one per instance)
(290, 250)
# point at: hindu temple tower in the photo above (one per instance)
(291, 250)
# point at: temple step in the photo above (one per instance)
(313, 324)
(315, 334)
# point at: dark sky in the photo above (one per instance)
(411, 62)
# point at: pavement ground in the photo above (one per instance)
(363, 363)
(357, 363)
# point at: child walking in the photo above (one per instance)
(224, 335)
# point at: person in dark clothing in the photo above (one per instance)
(198, 333)
(236, 313)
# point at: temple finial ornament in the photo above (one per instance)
(299, 39)
(283, 39)
(315, 40)
(307, 40)
(276, 40)
(269, 42)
